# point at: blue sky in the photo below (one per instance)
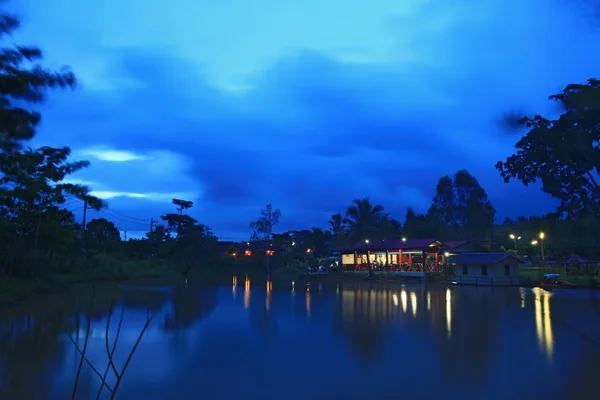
(306, 105)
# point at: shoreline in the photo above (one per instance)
(16, 291)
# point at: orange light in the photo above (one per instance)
(234, 254)
(270, 252)
(308, 250)
(247, 253)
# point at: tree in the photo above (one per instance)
(193, 242)
(262, 228)
(461, 207)
(365, 222)
(102, 235)
(564, 153)
(419, 226)
(336, 223)
(23, 81)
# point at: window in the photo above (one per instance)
(465, 269)
(484, 270)
(506, 270)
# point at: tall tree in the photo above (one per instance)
(563, 153)
(336, 223)
(262, 228)
(23, 81)
(461, 207)
(365, 222)
(419, 226)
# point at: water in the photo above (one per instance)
(311, 342)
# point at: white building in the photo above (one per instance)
(487, 269)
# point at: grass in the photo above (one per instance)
(100, 269)
(534, 276)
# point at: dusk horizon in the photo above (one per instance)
(203, 102)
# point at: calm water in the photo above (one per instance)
(317, 342)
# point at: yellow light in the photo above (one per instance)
(534, 242)
(446, 254)
(366, 240)
(512, 236)
(542, 235)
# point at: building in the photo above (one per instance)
(413, 256)
(487, 269)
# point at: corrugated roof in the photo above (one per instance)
(482, 258)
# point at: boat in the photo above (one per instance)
(553, 281)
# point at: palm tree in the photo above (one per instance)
(337, 225)
(365, 222)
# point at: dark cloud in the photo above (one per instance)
(314, 133)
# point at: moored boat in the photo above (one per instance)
(553, 281)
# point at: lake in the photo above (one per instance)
(317, 341)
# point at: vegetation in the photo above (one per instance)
(42, 246)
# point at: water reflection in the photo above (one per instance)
(403, 300)
(543, 321)
(449, 312)
(247, 294)
(268, 295)
(469, 337)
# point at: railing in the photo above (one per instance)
(404, 267)
(486, 280)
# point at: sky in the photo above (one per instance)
(305, 105)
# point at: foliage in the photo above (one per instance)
(563, 153)
(461, 208)
(40, 238)
(366, 222)
(262, 228)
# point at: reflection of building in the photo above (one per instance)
(487, 269)
(377, 305)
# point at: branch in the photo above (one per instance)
(139, 339)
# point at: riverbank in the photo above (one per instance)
(14, 290)
(532, 277)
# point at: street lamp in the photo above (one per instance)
(367, 241)
(534, 242)
(404, 239)
(542, 237)
(516, 239)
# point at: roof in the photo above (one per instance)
(482, 258)
(391, 245)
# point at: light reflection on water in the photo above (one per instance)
(468, 337)
(543, 321)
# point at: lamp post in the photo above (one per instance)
(542, 237)
(516, 239)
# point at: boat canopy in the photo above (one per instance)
(550, 276)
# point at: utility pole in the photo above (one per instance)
(85, 206)
(125, 234)
(83, 251)
(151, 225)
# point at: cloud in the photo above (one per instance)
(317, 128)
(111, 155)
